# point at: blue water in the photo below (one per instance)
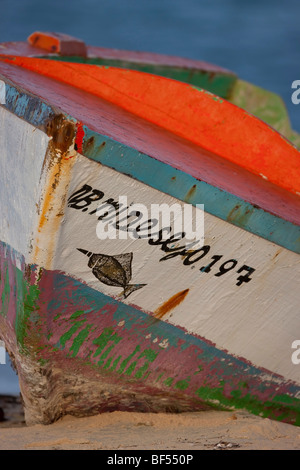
(257, 39)
(8, 380)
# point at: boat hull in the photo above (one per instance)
(80, 352)
(102, 323)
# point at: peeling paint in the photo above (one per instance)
(209, 375)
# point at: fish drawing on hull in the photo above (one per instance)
(113, 270)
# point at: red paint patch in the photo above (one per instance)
(79, 137)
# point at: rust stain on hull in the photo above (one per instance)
(277, 254)
(62, 133)
(57, 168)
(191, 193)
(170, 304)
(238, 216)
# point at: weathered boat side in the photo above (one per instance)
(187, 338)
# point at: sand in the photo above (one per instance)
(136, 431)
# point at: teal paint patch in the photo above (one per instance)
(28, 107)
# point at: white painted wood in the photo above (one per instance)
(23, 149)
(257, 320)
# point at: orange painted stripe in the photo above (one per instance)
(195, 115)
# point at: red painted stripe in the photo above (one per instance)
(197, 116)
(79, 137)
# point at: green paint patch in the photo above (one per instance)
(216, 98)
(115, 363)
(183, 384)
(169, 381)
(159, 377)
(150, 356)
(106, 336)
(295, 402)
(198, 89)
(200, 369)
(268, 409)
(77, 314)
(79, 340)
(105, 354)
(108, 363)
(31, 296)
(20, 288)
(131, 368)
(68, 335)
(128, 359)
(265, 105)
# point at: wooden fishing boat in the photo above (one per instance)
(97, 319)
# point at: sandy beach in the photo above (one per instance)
(206, 430)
